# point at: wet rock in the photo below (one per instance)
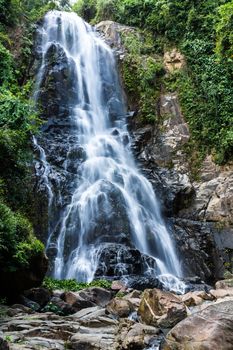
(119, 260)
(160, 151)
(209, 329)
(160, 308)
(57, 91)
(120, 307)
(143, 282)
(196, 245)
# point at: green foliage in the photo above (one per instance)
(85, 9)
(26, 250)
(17, 243)
(224, 29)
(51, 307)
(16, 111)
(17, 121)
(120, 294)
(141, 74)
(73, 285)
(105, 10)
(6, 67)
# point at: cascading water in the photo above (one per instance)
(110, 200)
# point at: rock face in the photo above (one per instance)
(163, 159)
(209, 329)
(173, 60)
(88, 329)
(112, 33)
(199, 211)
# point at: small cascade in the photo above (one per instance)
(111, 216)
(42, 168)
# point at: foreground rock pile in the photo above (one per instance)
(101, 319)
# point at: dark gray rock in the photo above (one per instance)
(29, 303)
(3, 344)
(39, 295)
(196, 245)
(117, 260)
(16, 282)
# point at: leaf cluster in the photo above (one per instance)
(73, 285)
(17, 243)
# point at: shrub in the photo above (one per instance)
(17, 243)
(73, 285)
(224, 30)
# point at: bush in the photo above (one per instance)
(6, 67)
(73, 285)
(17, 243)
(105, 10)
(141, 74)
(224, 30)
(85, 9)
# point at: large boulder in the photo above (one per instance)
(138, 336)
(224, 284)
(160, 308)
(196, 244)
(120, 307)
(116, 259)
(221, 293)
(87, 298)
(3, 343)
(210, 329)
(15, 282)
(39, 295)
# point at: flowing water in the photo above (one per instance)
(108, 188)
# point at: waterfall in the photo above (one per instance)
(110, 201)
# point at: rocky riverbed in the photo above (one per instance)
(120, 318)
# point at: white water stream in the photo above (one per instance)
(108, 160)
